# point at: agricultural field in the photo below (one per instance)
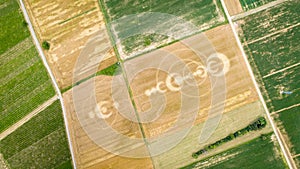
(204, 14)
(68, 30)
(242, 106)
(271, 41)
(24, 81)
(39, 143)
(257, 153)
(288, 122)
(251, 4)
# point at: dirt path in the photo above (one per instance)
(253, 11)
(274, 33)
(287, 108)
(3, 165)
(281, 70)
(27, 118)
(283, 146)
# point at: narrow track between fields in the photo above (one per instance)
(27, 117)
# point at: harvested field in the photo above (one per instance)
(233, 6)
(239, 87)
(68, 29)
(87, 153)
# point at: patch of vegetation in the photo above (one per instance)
(251, 4)
(39, 143)
(290, 120)
(256, 125)
(200, 13)
(12, 29)
(109, 71)
(46, 45)
(257, 153)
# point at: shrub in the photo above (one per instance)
(46, 45)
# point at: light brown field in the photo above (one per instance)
(239, 87)
(87, 153)
(67, 25)
(234, 6)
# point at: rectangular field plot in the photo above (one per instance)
(279, 86)
(24, 81)
(257, 153)
(39, 143)
(203, 14)
(276, 52)
(251, 4)
(68, 29)
(270, 20)
(13, 28)
(289, 121)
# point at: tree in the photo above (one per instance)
(46, 45)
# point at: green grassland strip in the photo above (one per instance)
(15, 51)
(251, 154)
(251, 4)
(109, 71)
(76, 16)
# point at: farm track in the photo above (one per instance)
(54, 83)
(281, 141)
(281, 70)
(258, 9)
(274, 33)
(287, 108)
(16, 51)
(27, 118)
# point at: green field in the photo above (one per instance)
(24, 80)
(290, 120)
(12, 29)
(270, 20)
(251, 4)
(39, 143)
(257, 153)
(202, 13)
(271, 41)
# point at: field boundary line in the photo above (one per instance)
(274, 33)
(41, 54)
(281, 142)
(25, 119)
(281, 70)
(296, 155)
(258, 9)
(287, 108)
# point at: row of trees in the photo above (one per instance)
(256, 125)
